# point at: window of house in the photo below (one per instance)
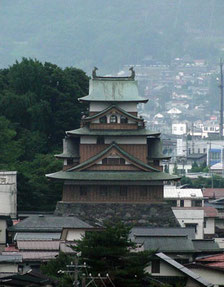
(192, 225)
(113, 119)
(181, 203)
(124, 120)
(83, 190)
(204, 223)
(100, 140)
(196, 203)
(69, 161)
(123, 191)
(155, 266)
(198, 150)
(103, 120)
(204, 150)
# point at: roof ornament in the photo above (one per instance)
(132, 73)
(94, 72)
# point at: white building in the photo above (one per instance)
(188, 208)
(179, 129)
(8, 193)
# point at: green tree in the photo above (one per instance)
(110, 251)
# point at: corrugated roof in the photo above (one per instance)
(65, 247)
(162, 231)
(88, 132)
(38, 245)
(173, 192)
(113, 176)
(49, 223)
(113, 90)
(184, 270)
(37, 236)
(213, 193)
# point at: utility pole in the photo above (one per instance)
(221, 101)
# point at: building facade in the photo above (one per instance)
(112, 157)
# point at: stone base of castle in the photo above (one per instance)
(151, 215)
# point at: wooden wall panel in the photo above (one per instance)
(135, 194)
(96, 126)
(127, 167)
(137, 150)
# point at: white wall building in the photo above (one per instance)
(179, 129)
(8, 193)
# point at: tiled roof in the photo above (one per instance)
(213, 193)
(14, 258)
(38, 245)
(123, 133)
(49, 223)
(113, 90)
(167, 244)
(206, 245)
(36, 255)
(113, 176)
(37, 236)
(210, 211)
(212, 258)
(162, 231)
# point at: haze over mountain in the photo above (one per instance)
(109, 34)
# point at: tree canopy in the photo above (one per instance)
(38, 103)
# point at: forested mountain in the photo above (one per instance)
(109, 34)
(38, 103)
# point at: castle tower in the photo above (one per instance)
(112, 158)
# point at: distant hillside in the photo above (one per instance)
(84, 33)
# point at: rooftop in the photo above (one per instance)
(174, 192)
(123, 133)
(113, 176)
(113, 89)
(50, 223)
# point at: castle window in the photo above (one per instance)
(103, 190)
(143, 191)
(83, 190)
(113, 119)
(123, 191)
(69, 161)
(124, 120)
(100, 140)
(113, 161)
(103, 120)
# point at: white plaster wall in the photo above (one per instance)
(9, 267)
(126, 140)
(88, 140)
(165, 270)
(187, 203)
(98, 106)
(75, 235)
(8, 193)
(210, 226)
(212, 276)
(3, 227)
(220, 242)
(185, 216)
(128, 107)
(179, 129)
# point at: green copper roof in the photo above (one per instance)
(112, 176)
(108, 109)
(87, 132)
(102, 153)
(113, 90)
